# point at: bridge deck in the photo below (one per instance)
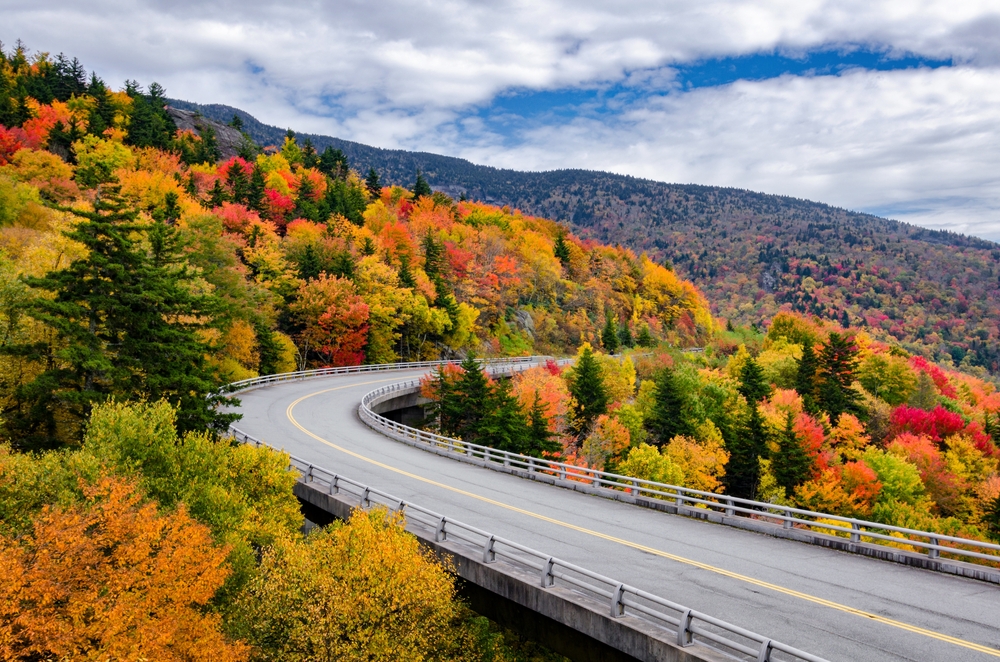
(806, 596)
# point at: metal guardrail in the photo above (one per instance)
(300, 375)
(688, 625)
(857, 530)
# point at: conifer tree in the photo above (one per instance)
(561, 250)
(255, 189)
(645, 338)
(124, 318)
(540, 436)
(217, 196)
(791, 465)
(750, 444)
(805, 378)
(472, 397)
(590, 398)
(421, 187)
(503, 424)
(609, 336)
(625, 338)
(838, 361)
(239, 183)
(666, 419)
(372, 183)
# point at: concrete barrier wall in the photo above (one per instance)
(567, 621)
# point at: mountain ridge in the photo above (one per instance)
(935, 292)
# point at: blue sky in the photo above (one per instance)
(873, 105)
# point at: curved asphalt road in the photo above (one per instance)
(803, 595)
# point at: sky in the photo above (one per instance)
(888, 107)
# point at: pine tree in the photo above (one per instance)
(217, 196)
(503, 424)
(746, 448)
(123, 318)
(472, 397)
(838, 361)
(405, 275)
(421, 187)
(239, 183)
(645, 338)
(590, 398)
(309, 265)
(625, 338)
(236, 122)
(805, 378)
(561, 250)
(791, 465)
(367, 247)
(666, 419)
(540, 437)
(991, 519)
(609, 337)
(256, 189)
(372, 183)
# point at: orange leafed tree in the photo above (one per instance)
(112, 580)
(335, 318)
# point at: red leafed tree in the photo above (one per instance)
(936, 424)
(943, 485)
(11, 140)
(334, 320)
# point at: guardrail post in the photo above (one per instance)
(531, 465)
(729, 510)
(309, 476)
(618, 601)
(679, 500)
(335, 484)
(547, 578)
(486, 454)
(489, 556)
(787, 524)
(684, 629)
(440, 534)
(365, 500)
(934, 552)
(765, 652)
(855, 532)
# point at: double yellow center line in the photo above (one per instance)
(628, 543)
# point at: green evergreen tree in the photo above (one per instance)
(333, 162)
(590, 398)
(239, 183)
(609, 336)
(666, 419)
(217, 196)
(746, 448)
(373, 183)
(625, 338)
(236, 122)
(367, 247)
(540, 437)
(268, 349)
(406, 278)
(256, 189)
(791, 465)
(149, 124)
(503, 424)
(310, 159)
(122, 318)
(309, 263)
(805, 378)
(421, 187)
(561, 250)
(838, 361)
(645, 338)
(472, 399)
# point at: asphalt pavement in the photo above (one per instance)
(833, 604)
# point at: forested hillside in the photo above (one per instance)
(753, 254)
(136, 262)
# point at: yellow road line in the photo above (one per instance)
(627, 543)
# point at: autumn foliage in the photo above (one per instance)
(111, 578)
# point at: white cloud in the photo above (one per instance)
(408, 74)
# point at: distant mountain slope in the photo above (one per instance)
(751, 253)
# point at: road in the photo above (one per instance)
(829, 603)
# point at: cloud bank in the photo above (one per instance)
(915, 144)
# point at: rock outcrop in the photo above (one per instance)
(226, 137)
